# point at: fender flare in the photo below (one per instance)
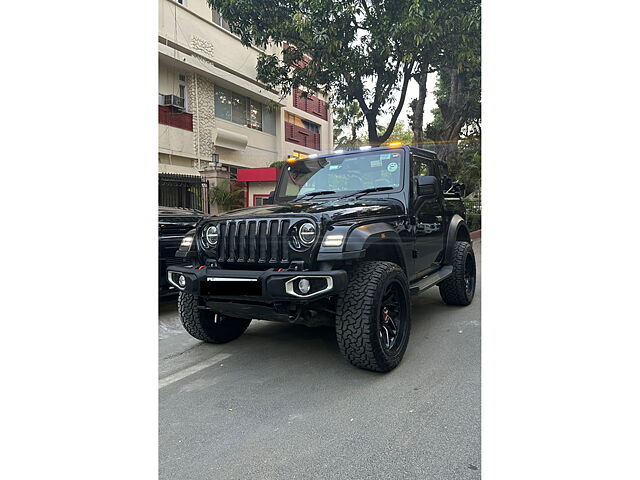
(457, 227)
(362, 237)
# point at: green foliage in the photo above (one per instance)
(347, 117)
(474, 213)
(278, 164)
(226, 196)
(474, 221)
(469, 164)
(365, 51)
(401, 133)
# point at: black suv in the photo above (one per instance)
(346, 240)
(173, 224)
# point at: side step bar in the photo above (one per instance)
(430, 280)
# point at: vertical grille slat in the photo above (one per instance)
(267, 242)
(255, 241)
(222, 254)
(284, 228)
(273, 241)
(242, 241)
(262, 244)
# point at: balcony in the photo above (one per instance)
(175, 118)
(301, 136)
(310, 104)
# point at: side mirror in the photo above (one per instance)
(269, 199)
(428, 187)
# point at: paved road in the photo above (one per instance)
(281, 402)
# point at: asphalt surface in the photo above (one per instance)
(281, 402)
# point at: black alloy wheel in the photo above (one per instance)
(460, 287)
(373, 316)
(392, 324)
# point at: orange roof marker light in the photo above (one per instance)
(291, 159)
(394, 144)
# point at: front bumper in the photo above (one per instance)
(257, 285)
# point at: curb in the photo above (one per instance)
(476, 234)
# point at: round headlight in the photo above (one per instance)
(211, 235)
(307, 233)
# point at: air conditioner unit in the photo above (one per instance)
(174, 101)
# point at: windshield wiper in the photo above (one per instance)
(365, 191)
(313, 194)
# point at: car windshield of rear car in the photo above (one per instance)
(341, 174)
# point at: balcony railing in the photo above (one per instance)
(301, 136)
(310, 104)
(170, 116)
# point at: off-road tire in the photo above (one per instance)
(453, 289)
(357, 316)
(203, 325)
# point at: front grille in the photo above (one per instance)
(254, 241)
(174, 261)
(175, 228)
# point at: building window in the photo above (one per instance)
(258, 199)
(301, 122)
(301, 131)
(223, 103)
(255, 115)
(268, 120)
(218, 20)
(242, 110)
(182, 88)
(238, 109)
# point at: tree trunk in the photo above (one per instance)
(418, 111)
(453, 116)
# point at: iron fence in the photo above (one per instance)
(183, 191)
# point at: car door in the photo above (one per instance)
(428, 214)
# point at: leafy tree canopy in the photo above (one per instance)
(365, 50)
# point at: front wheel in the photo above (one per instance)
(206, 325)
(460, 286)
(373, 316)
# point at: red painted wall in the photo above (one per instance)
(175, 118)
(301, 136)
(257, 174)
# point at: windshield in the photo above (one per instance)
(342, 174)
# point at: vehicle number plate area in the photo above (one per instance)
(232, 287)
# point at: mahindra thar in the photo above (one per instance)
(345, 240)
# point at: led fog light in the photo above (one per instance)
(304, 285)
(182, 281)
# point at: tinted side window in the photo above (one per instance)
(421, 168)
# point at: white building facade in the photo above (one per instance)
(212, 108)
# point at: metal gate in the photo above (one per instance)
(183, 191)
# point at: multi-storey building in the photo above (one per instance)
(212, 110)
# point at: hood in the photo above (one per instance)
(175, 214)
(334, 210)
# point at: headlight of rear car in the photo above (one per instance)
(307, 233)
(211, 235)
(186, 242)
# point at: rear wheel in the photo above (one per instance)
(459, 288)
(373, 316)
(206, 325)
